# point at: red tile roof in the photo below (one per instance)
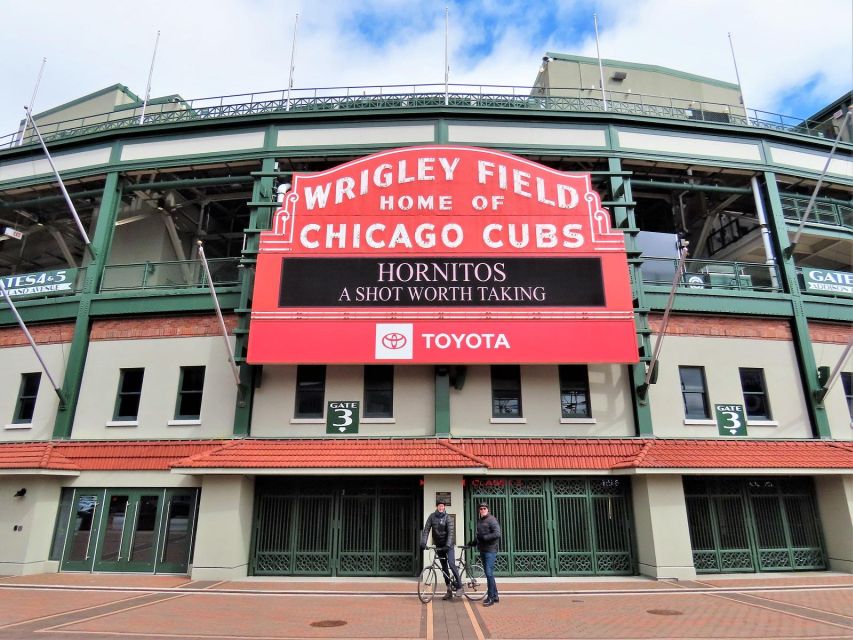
(331, 454)
(504, 454)
(742, 454)
(133, 455)
(533, 453)
(35, 456)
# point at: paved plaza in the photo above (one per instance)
(70, 606)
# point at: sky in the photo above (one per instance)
(793, 57)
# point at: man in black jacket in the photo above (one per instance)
(488, 540)
(443, 537)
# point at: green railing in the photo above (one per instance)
(794, 208)
(712, 274)
(178, 274)
(563, 99)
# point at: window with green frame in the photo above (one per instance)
(379, 391)
(755, 398)
(506, 391)
(190, 388)
(847, 383)
(574, 391)
(310, 390)
(129, 394)
(694, 393)
(26, 405)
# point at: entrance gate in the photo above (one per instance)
(328, 527)
(128, 530)
(753, 524)
(558, 526)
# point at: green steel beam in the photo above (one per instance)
(684, 186)
(174, 301)
(624, 218)
(80, 342)
(189, 183)
(259, 218)
(799, 322)
(442, 402)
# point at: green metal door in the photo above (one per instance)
(558, 526)
(130, 530)
(352, 527)
(753, 524)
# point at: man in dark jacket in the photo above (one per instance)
(488, 540)
(443, 537)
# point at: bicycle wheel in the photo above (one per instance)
(426, 584)
(474, 580)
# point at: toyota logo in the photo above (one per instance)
(394, 340)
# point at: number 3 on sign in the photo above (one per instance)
(342, 417)
(731, 419)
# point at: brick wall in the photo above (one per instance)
(831, 333)
(160, 327)
(724, 327)
(42, 334)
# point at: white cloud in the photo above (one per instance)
(221, 47)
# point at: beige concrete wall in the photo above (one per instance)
(414, 402)
(224, 528)
(18, 360)
(721, 358)
(835, 402)
(663, 536)
(456, 508)
(649, 83)
(25, 551)
(162, 359)
(97, 105)
(471, 408)
(835, 504)
(131, 480)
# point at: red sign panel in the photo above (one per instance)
(439, 255)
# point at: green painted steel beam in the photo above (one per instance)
(799, 324)
(189, 183)
(623, 216)
(161, 303)
(684, 186)
(79, 348)
(442, 402)
(728, 302)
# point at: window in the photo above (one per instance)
(694, 393)
(310, 390)
(129, 394)
(754, 394)
(27, 398)
(506, 391)
(847, 383)
(379, 391)
(190, 389)
(574, 391)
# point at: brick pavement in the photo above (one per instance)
(815, 606)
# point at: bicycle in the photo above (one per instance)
(472, 575)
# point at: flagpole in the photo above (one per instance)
(219, 314)
(35, 91)
(737, 75)
(61, 185)
(150, 74)
(446, 58)
(600, 65)
(676, 280)
(292, 61)
(32, 342)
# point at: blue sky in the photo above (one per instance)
(793, 57)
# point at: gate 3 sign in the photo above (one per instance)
(440, 255)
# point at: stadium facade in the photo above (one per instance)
(600, 312)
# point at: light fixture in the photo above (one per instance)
(20, 493)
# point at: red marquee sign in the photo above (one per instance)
(439, 255)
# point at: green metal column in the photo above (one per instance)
(799, 320)
(263, 202)
(76, 363)
(442, 402)
(623, 217)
